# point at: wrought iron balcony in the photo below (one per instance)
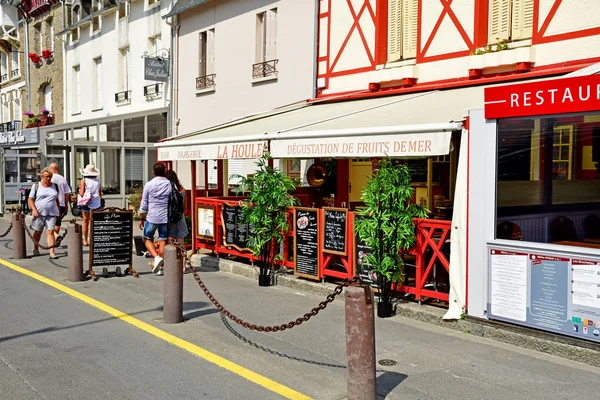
(15, 73)
(123, 97)
(205, 82)
(153, 90)
(264, 69)
(3, 77)
(10, 126)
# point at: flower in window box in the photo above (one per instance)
(34, 58)
(46, 54)
(28, 113)
(45, 111)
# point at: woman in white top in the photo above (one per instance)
(91, 184)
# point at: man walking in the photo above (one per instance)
(64, 192)
(155, 203)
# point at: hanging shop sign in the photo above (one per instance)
(399, 145)
(156, 69)
(242, 150)
(20, 137)
(556, 96)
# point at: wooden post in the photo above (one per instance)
(225, 178)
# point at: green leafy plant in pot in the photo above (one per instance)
(269, 194)
(386, 226)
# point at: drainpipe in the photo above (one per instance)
(64, 61)
(27, 78)
(173, 122)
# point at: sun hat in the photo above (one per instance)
(89, 170)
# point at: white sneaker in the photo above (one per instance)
(158, 262)
(160, 271)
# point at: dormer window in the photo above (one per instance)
(75, 18)
(96, 6)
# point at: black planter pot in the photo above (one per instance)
(384, 310)
(264, 280)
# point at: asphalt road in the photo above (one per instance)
(56, 346)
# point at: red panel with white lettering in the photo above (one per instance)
(555, 96)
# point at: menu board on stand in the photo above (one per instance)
(335, 230)
(236, 232)
(206, 221)
(306, 242)
(361, 251)
(111, 241)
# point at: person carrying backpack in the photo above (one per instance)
(178, 229)
(45, 208)
(154, 214)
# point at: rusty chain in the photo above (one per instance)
(57, 243)
(12, 210)
(275, 328)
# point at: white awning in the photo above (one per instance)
(417, 124)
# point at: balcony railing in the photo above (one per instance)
(153, 90)
(15, 72)
(10, 126)
(205, 82)
(123, 97)
(3, 77)
(264, 69)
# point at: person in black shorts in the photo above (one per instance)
(63, 195)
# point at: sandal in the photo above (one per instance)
(36, 252)
(54, 257)
(85, 244)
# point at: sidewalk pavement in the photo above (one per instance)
(430, 361)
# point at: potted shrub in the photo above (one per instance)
(34, 58)
(386, 225)
(46, 54)
(266, 210)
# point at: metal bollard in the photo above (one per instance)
(19, 244)
(360, 343)
(173, 286)
(75, 250)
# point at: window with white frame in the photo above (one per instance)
(17, 107)
(48, 97)
(50, 24)
(98, 83)
(510, 20)
(402, 29)
(76, 89)
(15, 68)
(75, 18)
(124, 9)
(266, 36)
(124, 69)
(41, 37)
(3, 67)
(96, 21)
(206, 60)
(5, 108)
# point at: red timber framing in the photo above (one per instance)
(540, 25)
(431, 262)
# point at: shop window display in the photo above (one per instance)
(548, 177)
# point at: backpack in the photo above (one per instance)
(175, 205)
(36, 185)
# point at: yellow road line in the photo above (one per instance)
(167, 337)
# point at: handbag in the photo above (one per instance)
(84, 200)
(75, 210)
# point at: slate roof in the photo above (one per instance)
(184, 5)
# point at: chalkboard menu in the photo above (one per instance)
(236, 233)
(361, 251)
(418, 170)
(111, 237)
(335, 230)
(306, 242)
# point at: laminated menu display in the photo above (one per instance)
(306, 242)
(236, 233)
(335, 230)
(111, 237)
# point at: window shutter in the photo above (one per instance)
(394, 30)
(99, 82)
(522, 19)
(210, 52)
(410, 14)
(271, 51)
(134, 165)
(499, 20)
(235, 167)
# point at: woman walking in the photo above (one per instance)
(44, 204)
(89, 184)
(178, 230)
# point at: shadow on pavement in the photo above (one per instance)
(55, 329)
(199, 309)
(387, 382)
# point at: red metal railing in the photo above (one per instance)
(426, 278)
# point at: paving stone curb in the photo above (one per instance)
(557, 345)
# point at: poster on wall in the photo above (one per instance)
(546, 291)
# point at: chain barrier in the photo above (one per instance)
(275, 328)
(57, 243)
(12, 211)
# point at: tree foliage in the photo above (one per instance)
(269, 194)
(387, 222)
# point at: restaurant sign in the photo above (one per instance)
(224, 151)
(156, 69)
(398, 145)
(20, 137)
(555, 96)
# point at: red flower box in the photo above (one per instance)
(46, 54)
(34, 58)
